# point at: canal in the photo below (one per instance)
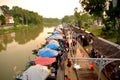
(16, 49)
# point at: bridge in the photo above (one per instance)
(100, 62)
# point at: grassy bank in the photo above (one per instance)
(97, 32)
(7, 29)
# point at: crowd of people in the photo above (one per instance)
(63, 50)
(60, 58)
(94, 54)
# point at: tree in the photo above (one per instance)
(112, 22)
(68, 19)
(77, 18)
(94, 7)
(116, 10)
(23, 16)
(82, 19)
(5, 9)
(2, 18)
(51, 21)
(112, 19)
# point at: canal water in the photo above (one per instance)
(16, 49)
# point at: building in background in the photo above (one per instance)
(9, 19)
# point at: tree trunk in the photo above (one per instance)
(117, 26)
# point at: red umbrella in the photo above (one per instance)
(44, 60)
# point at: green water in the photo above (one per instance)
(16, 49)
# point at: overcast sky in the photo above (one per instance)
(46, 8)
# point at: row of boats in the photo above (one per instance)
(43, 66)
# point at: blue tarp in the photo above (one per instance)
(52, 46)
(47, 52)
(55, 36)
(55, 32)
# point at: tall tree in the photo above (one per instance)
(23, 16)
(95, 8)
(112, 19)
(2, 18)
(77, 17)
(5, 9)
(68, 19)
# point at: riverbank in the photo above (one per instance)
(98, 32)
(11, 28)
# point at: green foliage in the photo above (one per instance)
(95, 31)
(85, 17)
(77, 19)
(83, 20)
(23, 16)
(86, 25)
(86, 20)
(110, 31)
(2, 18)
(20, 27)
(68, 19)
(51, 21)
(16, 21)
(110, 22)
(113, 11)
(94, 7)
(99, 32)
(5, 9)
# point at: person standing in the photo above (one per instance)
(67, 78)
(69, 64)
(92, 53)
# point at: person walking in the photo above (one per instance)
(69, 64)
(67, 78)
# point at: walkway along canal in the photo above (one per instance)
(83, 71)
(88, 70)
(103, 49)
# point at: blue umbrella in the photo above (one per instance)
(47, 52)
(50, 38)
(55, 32)
(52, 46)
(56, 36)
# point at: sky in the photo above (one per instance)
(46, 8)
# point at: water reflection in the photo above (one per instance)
(21, 36)
(24, 36)
(4, 40)
(16, 49)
